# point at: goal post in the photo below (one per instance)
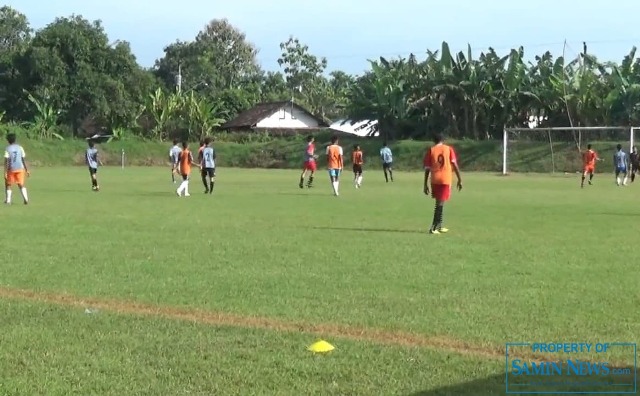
(558, 149)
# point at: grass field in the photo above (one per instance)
(132, 291)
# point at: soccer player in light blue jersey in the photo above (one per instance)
(15, 169)
(208, 166)
(387, 162)
(174, 153)
(621, 163)
(92, 160)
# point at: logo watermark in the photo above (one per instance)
(565, 373)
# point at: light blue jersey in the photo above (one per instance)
(386, 155)
(208, 158)
(174, 154)
(14, 154)
(92, 157)
(620, 161)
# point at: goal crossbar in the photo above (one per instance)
(570, 129)
(505, 139)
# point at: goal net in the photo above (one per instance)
(559, 150)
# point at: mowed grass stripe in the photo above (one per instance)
(326, 330)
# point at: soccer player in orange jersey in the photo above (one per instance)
(185, 159)
(589, 159)
(357, 158)
(335, 164)
(440, 162)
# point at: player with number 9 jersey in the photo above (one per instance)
(439, 160)
(440, 163)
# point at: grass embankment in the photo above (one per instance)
(287, 153)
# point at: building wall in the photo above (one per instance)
(283, 118)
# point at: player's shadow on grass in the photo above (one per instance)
(495, 385)
(365, 229)
(156, 194)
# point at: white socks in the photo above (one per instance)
(624, 182)
(335, 185)
(618, 181)
(358, 181)
(184, 186)
(23, 191)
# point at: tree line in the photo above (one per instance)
(67, 79)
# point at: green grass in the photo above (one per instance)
(54, 351)
(529, 258)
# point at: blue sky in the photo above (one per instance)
(348, 32)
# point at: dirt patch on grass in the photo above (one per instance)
(327, 331)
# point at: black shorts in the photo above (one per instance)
(185, 177)
(387, 165)
(93, 171)
(357, 168)
(635, 168)
(211, 172)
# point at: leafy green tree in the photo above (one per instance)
(15, 35)
(219, 63)
(220, 55)
(299, 65)
(233, 56)
(273, 87)
(88, 78)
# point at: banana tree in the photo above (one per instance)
(381, 95)
(45, 119)
(161, 107)
(547, 79)
(624, 97)
(202, 116)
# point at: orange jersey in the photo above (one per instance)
(589, 158)
(357, 158)
(334, 157)
(439, 159)
(185, 161)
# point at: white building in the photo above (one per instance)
(276, 115)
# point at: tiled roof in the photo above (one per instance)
(249, 118)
